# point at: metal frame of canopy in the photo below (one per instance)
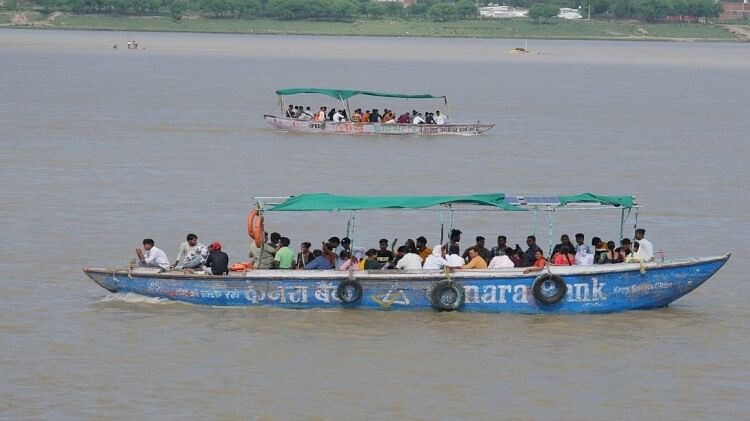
(343, 95)
(533, 204)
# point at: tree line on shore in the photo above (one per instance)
(346, 10)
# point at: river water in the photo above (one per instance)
(102, 147)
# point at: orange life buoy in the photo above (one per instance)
(255, 227)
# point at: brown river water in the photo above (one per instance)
(101, 147)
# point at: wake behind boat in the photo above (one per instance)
(368, 121)
(600, 288)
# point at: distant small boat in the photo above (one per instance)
(350, 127)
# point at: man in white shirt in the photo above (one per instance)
(453, 258)
(338, 117)
(645, 251)
(191, 253)
(408, 260)
(501, 262)
(306, 114)
(440, 118)
(418, 119)
(153, 257)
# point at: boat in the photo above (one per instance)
(556, 290)
(354, 128)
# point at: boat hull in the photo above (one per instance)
(309, 126)
(590, 289)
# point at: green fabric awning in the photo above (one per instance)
(624, 201)
(329, 202)
(343, 94)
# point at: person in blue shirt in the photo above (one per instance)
(318, 261)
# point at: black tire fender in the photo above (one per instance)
(447, 295)
(536, 289)
(349, 292)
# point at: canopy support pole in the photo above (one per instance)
(533, 221)
(281, 106)
(622, 222)
(450, 224)
(550, 234)
(349, 223)
(635, 224)
(348, 111)
(350, 233)
(442, 226)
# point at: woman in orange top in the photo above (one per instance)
(539, 262)
(564, 257)
(366, 117)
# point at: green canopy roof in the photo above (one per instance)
(624, 201)
(342, 94)
(329, 202)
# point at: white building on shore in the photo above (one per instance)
(568, 13)
(504, 12)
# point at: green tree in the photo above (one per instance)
(541, 12)
(652, 9)
(441, 12)
(374, 10)
(176, 9)
(466, 9)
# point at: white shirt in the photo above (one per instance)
(155, 257)
(454, 260)
(305, 116)
(338, 117)
(410, 261)
(433, 262)
(501, 262)
(440, 119)
(418, 120)
(645, 250)
(185, 250)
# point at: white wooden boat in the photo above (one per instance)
(351, 128)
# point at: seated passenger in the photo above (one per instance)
(612, 256)
(357, 115)
(372, 263)
(218, 261)
(453, 258)
(318, 261)
(429, 119)
(153, 257)
(476, 261)
(584, 257)
(539, 262)
(330, 115)
(501, 261)
(408, 260)
(624, 250)
(305, 114)
(422, 250)
(320, 115)
(289, 111)
(328, 252)
(338, 117)
(190, 253)
(436, 259)
(564, 241)
(404, 118)
(418, 119)
(304, 256)
(262, 257)
(600, 249)
(375, 117)
(195, 255)
(385, 256)
(348, 261)
(564, 257)
(366, 116)
(284, 256)
(440, 118)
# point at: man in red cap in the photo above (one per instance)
(218, 261)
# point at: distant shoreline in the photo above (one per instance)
(485, 28)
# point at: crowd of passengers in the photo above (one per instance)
(336, 253)
(368, 116)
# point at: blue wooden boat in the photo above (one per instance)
(557, 289)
